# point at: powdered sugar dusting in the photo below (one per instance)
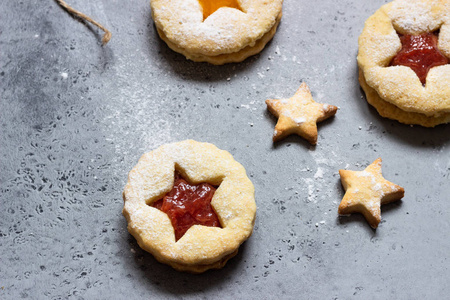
(378, 188)
(414, 16)
(310, 186)
(203, 162)
(379, 43)
(299, 120)
(227, 30)
(319, 173)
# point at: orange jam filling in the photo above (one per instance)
(188, 205)
(420, 53)
(210, 6)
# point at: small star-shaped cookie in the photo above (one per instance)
(366, 190)
(299, 114)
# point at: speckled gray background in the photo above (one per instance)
(76, 117)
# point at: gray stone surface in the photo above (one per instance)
(76, 117)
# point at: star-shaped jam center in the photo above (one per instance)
(366, 191)
(420, 53)
(210, 6)
(187, 205)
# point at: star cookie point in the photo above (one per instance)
(366, 191)
(299, 115)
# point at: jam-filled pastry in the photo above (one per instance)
(403, 61)
(189, 204)
(216, 31)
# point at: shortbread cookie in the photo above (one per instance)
(366, 191)
(388, 110)
(299, 114)
(199, 247)
(217, 32)
(419, 89)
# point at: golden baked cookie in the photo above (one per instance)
(200, 247)
(216, 31)
(299, 114)
(418, 93)
(388, 110)
(366, 191)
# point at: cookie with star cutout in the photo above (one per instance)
(404, 61)
(190, 205)
(366, 191)
(216, 31)
(299, 115)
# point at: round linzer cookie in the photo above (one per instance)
(403, 58)
(216, 31)
(189, 204)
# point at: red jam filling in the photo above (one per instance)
(188, 205)
(420, 53)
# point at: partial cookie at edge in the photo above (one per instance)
(388, 110)
(228, 35)
(379, 43)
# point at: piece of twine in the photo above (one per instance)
(70, 10)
